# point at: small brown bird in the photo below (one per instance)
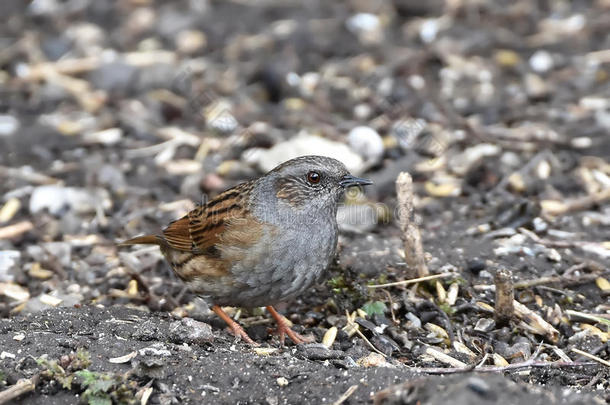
(260, 242)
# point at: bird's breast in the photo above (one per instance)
(284, 262)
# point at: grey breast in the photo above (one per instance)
(288, 259)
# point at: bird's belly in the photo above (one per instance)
(278, 271)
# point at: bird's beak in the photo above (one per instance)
(349, 181)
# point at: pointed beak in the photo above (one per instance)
(349, 181)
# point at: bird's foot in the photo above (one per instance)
(284, 330)
(236, 328)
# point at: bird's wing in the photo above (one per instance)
(203, 228)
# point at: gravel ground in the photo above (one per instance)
(118, 117)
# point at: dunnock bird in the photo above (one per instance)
(260, 242)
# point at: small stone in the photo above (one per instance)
(19, 337)
(373, 360)
(367, 27)
(366, 142)
(301, 145)
(429, 30)
(56, 199)
(535, 86)
(541, 61)
(359, 218)
(6, 355)
(191, 41)
(485, 325)
(581, 142)
(190, 331)
(414, 320)
(317, 351)
(478, 385)
(115, 76)
(8, 125)
(282, 381)
(362, 112)
(540, 225)
(219, 118)
(9, 259)
(553, 255)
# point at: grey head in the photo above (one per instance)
(308, 185)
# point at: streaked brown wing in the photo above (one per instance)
(201, 229)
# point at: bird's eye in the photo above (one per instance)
(313, 177)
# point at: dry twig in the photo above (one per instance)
(502, 369)
(414, 252)
(23, 386)
(505, 293)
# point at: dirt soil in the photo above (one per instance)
(118, 117)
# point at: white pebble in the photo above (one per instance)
(366, 142)
(8, 125)
(363, 22)
(541, 61)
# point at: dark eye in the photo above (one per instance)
(313, 177)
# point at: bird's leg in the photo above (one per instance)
(235, 327)
(284, 329)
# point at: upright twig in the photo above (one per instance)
(504, 309)
(414, 252)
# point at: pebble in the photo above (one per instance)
(56, 199)
(219, 118)
(373, 360)
(360, 218)
(317, 351)
(114, 76)
(367, 27)
(301, 145)
(485, 325)
(429, 30)
(188, 330)
(535, 86)
(541, 61)
(478, 385)
(414, 320)
(191, 41)
(367, 142)
(8, 125)
(8, 260)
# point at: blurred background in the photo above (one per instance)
(118, 116)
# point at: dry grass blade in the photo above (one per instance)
(510, 367)
(414, 280)
(591, 356)
(445, 358)
(589, 317)
(346, 395)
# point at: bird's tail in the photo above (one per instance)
(142, 240)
